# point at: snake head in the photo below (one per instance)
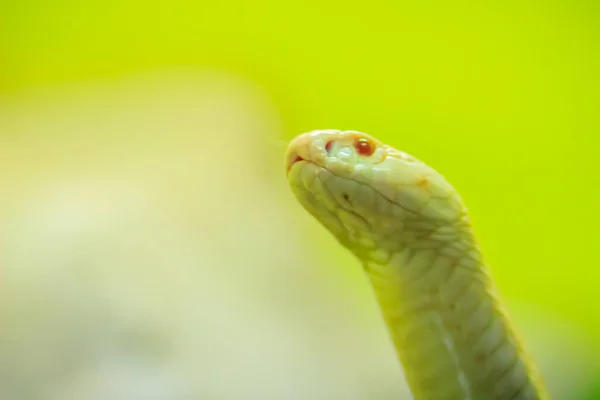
(366, 192)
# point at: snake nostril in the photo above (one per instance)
(328, 147)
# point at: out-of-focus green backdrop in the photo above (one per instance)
(152, 250)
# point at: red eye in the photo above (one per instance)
(364, 147)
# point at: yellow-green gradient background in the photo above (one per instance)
(151, 249)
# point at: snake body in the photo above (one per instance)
(411, 232)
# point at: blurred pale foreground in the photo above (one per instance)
(151, 250)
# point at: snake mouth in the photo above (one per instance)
(292, 159)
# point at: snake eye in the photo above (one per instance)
(364, 147)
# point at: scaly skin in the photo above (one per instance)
(411, 231)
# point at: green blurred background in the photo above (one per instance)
(152, 250)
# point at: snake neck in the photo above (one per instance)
(450, 332)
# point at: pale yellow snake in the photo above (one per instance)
(410, 230)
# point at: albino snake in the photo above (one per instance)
(410, 230)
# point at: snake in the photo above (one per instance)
(412, 234)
